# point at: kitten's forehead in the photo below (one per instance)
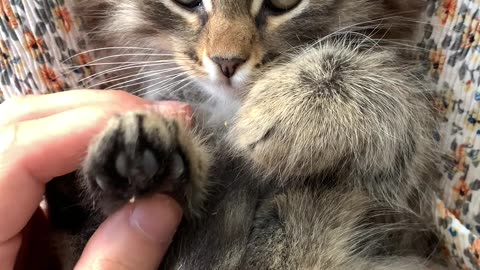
(230, 7)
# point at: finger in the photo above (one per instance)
(32, 160)
(9, 251)
(37, 154)
(135, 238)
(36, 246)
(31, 107)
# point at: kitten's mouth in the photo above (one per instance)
(226, 86)
(227, 73)
(232, 75)
(233, 85)
(222, 87)
(223, 81)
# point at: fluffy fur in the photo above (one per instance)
(317, 153)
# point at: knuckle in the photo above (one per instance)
(120, 95)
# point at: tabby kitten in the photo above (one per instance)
(314, 140)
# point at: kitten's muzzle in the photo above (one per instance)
(228, 66)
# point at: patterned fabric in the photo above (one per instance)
(451, 46)
(39, 53)
(39, 45)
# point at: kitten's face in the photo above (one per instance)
(225, 44)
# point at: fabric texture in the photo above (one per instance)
(39, 48)
(451, 47)
(41, 51)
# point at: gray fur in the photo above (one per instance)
(328, 161)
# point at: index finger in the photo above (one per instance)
(31, 107)
(42, 149)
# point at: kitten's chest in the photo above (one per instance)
(221, 240)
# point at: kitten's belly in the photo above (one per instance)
(219, 242)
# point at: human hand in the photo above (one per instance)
(42, 137)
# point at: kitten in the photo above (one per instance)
(314, 140)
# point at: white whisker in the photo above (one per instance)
(129, 54)
(124, 63)
(117, 69)
(136, 81)
(136, 75)
(106, 48)
(155, 84)
(167, 87)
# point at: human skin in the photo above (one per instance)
(42, 137)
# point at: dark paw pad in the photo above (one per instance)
(132, 159)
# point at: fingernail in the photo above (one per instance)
(167, 108)
(186, 112)
(175, 109)
(157, 218)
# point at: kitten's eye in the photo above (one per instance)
(281, 5)
(189, 3)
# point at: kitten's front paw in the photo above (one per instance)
(295, 121)
(271, 141)
(329, 107)
(139, 154)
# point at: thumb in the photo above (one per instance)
(135, 237)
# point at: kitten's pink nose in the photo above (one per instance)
(228, 65)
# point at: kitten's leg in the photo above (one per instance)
(337, 109)
(346, 118)
(328, 230)
(333, 104)
(140, 154)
